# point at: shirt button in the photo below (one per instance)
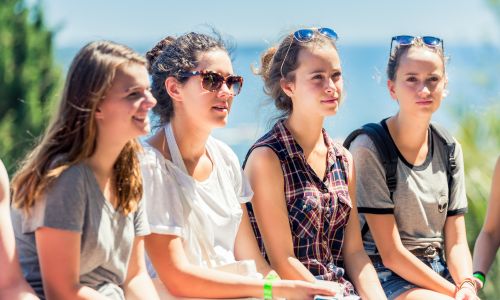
(304, 206)
(328, 215)
(324, 189)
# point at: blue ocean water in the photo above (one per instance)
(473, 85)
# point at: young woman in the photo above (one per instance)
(80, 222)
(488, 241)
(303, 211)
(412, 229)
(12, 284)
(194, 186)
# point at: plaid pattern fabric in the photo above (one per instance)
(318, 209)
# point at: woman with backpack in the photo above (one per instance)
(412, 207)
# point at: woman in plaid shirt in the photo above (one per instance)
(303, 211)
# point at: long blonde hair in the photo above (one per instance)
(71, 136)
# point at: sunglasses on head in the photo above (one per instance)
(213, 81)
(429, 41)
(306, 35)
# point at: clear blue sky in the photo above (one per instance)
(361, 22)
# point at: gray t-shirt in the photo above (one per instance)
(420, 203)
(74, 202)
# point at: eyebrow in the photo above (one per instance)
(135, 87)
(323, 71)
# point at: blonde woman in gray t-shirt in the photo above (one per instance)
(79, 222)
(412, 230)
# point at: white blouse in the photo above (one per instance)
(219, 201)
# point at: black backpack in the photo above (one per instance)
(389, 156)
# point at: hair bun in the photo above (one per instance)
(153, 54)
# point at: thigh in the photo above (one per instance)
(392, 283)
(419, 294)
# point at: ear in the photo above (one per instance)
(98, 113)
(288, 87)
(173, 88)
(391, 88)
(445, 90)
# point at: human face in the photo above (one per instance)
(318, 84)
(122, 114)
(208, 108)
(420, 82)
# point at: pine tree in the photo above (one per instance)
(29, 78)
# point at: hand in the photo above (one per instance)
(297, 289)
(479, 283)
(466, 293)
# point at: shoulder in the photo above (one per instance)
(73, 176)
(362, 143)
(263, 161)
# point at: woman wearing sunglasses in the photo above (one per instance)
(412, 228)
(194, 187)
(303, 211)
(80, 221)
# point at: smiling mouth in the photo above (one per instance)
(140, 119)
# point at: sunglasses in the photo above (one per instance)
(213, 81)
(429, 41)
(306, 35)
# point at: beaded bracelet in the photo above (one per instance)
(268, 286)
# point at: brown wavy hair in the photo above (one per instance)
(280, 62)
(72, 134)
(170, 57)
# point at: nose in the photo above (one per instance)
(224, 92)
(330, 88)
(150, 101)
(423, 90)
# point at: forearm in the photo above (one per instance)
(409, 267)
(485, 251)
(459, 262)
(363, 275)
(19, 290)
(289, 267)
(199, 282)
(77, 292)
(140, 287)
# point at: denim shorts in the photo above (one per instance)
(394, 285)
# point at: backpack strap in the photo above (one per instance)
(387, 154)
(385, 148)
(447, 139)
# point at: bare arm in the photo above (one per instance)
(358, 265)
(12, 283)
(138, 284)
(488, 241)
(246, 246)
(459, 260)
(183, 279)
(397, 258)
(61, 280)
(266, 178)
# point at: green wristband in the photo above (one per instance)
(480, 275)
(268, 286)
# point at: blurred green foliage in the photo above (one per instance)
(29, 78)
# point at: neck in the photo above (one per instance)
(408, 131)
(306, 131)
(191, 138)
(105, 155)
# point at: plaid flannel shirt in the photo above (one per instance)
(318, 209)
